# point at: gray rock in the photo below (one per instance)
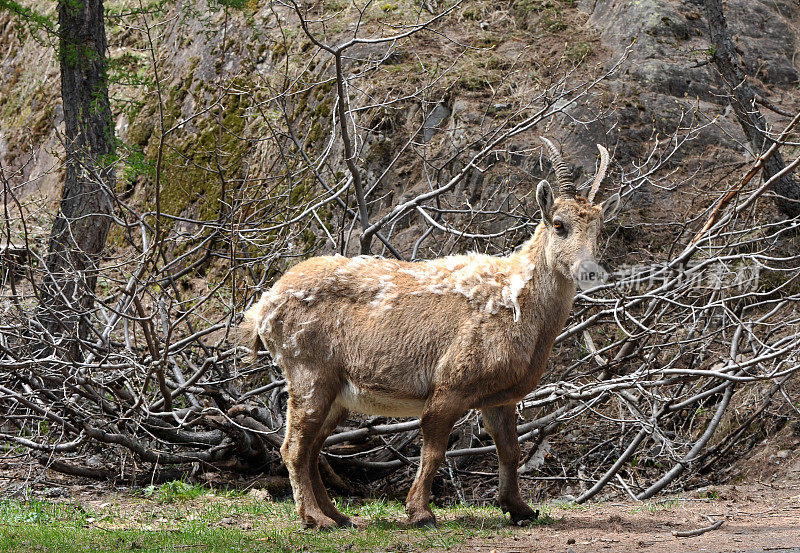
(766, 40)
(465, 111)
(659, 57)
(56, 492)
(669, 40)
(95, 461)
(433, 123)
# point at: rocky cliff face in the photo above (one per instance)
(668, 70)
(422, 104)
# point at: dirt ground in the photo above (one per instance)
(757, 517)
(761, 513)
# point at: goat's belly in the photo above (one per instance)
(375, 403)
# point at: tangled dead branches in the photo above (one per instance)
(660, 375)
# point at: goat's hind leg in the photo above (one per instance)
(306, 414)
(335, 416)
(500, 423)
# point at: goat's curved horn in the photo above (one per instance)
(601, 172)
(565, 185)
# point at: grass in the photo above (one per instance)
(169, 492)
(178, 517)
(654, 506)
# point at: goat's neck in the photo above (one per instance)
(545, 303)
(550, 290)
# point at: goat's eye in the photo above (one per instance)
(559, 226)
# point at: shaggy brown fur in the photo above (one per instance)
(431, 339)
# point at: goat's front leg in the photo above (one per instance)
(437, 421)
(500, 422)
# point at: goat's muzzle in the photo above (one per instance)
(588, 273)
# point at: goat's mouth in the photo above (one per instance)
(588, 274)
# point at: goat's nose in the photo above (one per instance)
(588, 273)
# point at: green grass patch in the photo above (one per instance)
(169, 492)
(178, 516)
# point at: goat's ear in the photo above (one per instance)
(610, 207)
(544, 197)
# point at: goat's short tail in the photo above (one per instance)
(248, 330)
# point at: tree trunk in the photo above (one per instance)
(82, 223)
(743, 100)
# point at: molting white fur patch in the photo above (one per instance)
(511, 292)
(293, 340)
(356, 262)
(416, 273)
(266, 323)
(439, 288)
(454, 262)
(384, 293)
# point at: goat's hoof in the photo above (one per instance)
(319, 523)
(524, 518)
(346, 523)
(422, 520)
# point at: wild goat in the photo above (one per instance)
(430, 339)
